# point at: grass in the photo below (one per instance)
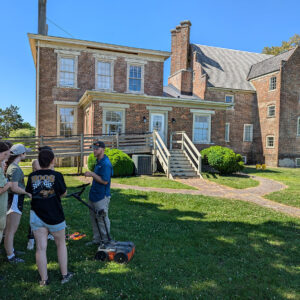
(237, 181)
(187, 247)
(152, 181)
(288, 176)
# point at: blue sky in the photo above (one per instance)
(235, 24)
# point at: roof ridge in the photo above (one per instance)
(233, 49)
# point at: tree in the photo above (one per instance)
(24, 132)
(275, 50)
(10, 120)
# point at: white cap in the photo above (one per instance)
(18, 149)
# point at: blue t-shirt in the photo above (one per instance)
(103, 169)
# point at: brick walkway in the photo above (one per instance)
(209, 188)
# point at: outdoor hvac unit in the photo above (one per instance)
(143, 164)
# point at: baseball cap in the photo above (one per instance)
(98, 144)
(18, 149)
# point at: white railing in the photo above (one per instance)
(181, 138)
(162, 153)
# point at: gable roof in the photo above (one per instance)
(269, 65)
(227, 68)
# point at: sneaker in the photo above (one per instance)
(66, 278)
(44, 282)
(30, 244)
(16, 260)
(50, 237)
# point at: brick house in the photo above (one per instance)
(218, 96)
(264, 122)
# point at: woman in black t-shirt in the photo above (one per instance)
(46, 214)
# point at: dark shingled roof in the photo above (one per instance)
(227, 68)
(269, 65)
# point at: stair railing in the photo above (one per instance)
(189, 149)
(162, 153)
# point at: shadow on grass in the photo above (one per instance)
(253, 170)
(181, 252)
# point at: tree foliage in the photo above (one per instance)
(275, 50)
(10, 120)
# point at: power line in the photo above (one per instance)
(60, 27)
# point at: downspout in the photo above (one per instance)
(37, 90)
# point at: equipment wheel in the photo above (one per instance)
(101, 255)
(121, 258)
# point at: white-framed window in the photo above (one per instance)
(201, 128)
(67, 66)
(271, 111)
(104, 75)
(229, 98)
(227, 131)
(113, 120)
(272, 85)
(298, 162)
(135, 78)
(298, 126)
(67, 120)
(270, 140)
(248, 133)
(244, 159)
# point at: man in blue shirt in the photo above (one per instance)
(99, 197)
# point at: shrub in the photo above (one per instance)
(122, 164)
(222, 159)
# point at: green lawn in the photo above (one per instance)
(236, 181)
(187, 247)
(288, 176)
(153, 181)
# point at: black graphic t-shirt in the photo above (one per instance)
(46, 186)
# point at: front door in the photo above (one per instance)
(157, 122)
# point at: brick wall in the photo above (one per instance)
(49, 92)
(289, 142)
(269, 126)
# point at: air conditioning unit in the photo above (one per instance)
(143, 164)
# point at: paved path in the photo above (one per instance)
(209, 188)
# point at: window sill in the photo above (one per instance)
(247, 141)
(68, 87)
(104, 90)
(203, 143)
(135, 93)
(271, 117)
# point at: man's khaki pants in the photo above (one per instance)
(102, 204)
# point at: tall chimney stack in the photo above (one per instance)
(43, 27)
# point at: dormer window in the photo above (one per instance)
(272, 83)
(229, 99)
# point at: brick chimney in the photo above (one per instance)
(181, 73)
(42, 27)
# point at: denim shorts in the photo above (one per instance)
(36, 223)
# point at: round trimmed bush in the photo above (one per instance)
(122, 164)
(222, 159)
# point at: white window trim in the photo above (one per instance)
(298, 127)
(229, 95)
(112, 108)
(134, 63)
(67, 54)
(297, 162)
(268, 111)
(209, 127)
(227, 140)
(270, 83)
(110, 60)
(58, 118)
(251, 140)
(269, 147)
